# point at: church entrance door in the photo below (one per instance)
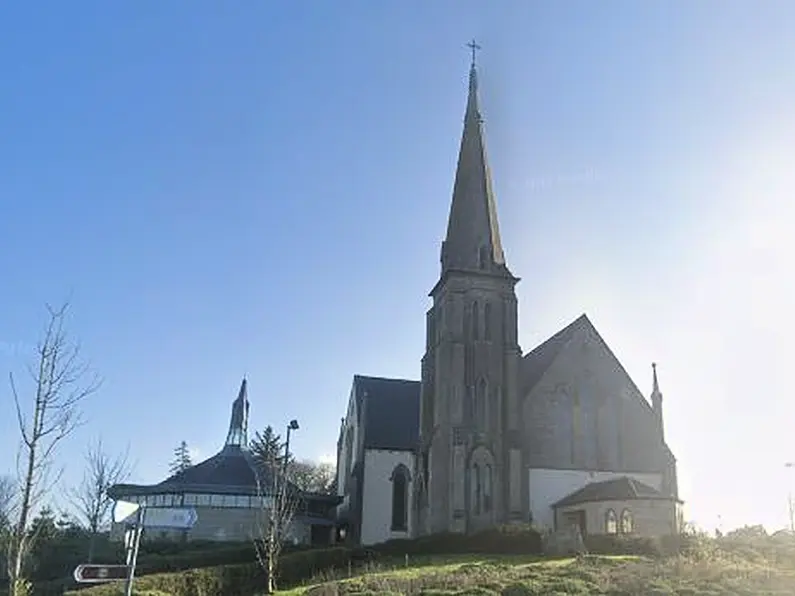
(576, 518)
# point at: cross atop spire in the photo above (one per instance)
(473, 45)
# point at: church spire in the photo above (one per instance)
(473, 234)
(238, 422)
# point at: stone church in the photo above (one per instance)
(556, 437)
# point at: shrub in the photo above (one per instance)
(505, 540)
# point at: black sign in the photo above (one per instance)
(89, 574)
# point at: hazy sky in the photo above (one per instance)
(261, 188)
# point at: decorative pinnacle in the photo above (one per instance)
(473, 45)
(656, 387)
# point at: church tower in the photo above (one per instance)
(469, 462)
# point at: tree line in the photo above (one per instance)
(36, 544)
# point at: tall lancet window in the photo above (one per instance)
(400, 498)
(481, 409)
(475, 321)
(487, 488)
(487, 322)
(476, 481)
(576, 430)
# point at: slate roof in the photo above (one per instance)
(536, 362)
(230, 471)
(616, 489)
(391, 410)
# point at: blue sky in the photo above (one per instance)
(261, 188)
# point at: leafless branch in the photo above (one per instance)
(278, 504)
(90, 498)
(60, 382)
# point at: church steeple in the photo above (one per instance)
(469, 396)
(473, 234)
(238, 421)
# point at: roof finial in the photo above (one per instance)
(655, 386)
(473, 45)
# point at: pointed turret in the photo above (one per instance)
(656, 398)
(473, 234)
(238, 422)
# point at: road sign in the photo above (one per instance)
(123, 510)
(178, 518)
(94, 574)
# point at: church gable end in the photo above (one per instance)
(583, 411)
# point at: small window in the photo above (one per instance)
(611, 522)
(190, 499)
(484, 257)
(627, 523)
(203, 500)
(475, 321)
(487, 321)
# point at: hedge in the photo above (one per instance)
(298, 567)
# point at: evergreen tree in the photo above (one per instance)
(181, 461)
(266, 446)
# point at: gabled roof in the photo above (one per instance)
(389, 410)
(536, 362)
(616, 489)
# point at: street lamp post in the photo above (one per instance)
(283, 489)
(290, 427)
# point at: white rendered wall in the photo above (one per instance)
(377, 504)
(548, 486)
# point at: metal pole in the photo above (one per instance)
(139, 527)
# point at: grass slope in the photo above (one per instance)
(617, 576)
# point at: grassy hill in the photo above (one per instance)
(747, 561)
(694, 575)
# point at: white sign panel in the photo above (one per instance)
(123, 510)
(180, 518)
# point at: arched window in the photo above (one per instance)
(487, 488)
(626, 522)
(611, 522)
(487, 321)
(475, 321)
(477, 496)
(400, 497)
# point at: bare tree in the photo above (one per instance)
(90, 498)
(312, 477)
(60, 382)
(7, 493)
(7, 497)
(279, 501)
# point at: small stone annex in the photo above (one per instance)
(559, 436)
(227, 494)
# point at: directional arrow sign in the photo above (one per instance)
(94, 574)
(180, 518)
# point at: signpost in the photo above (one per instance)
(94, 574)
(176, 518)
